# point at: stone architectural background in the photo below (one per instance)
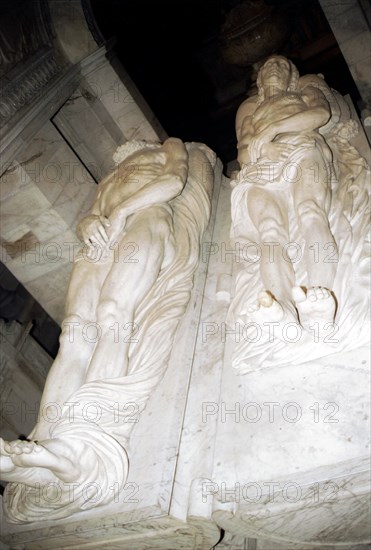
(67, 103)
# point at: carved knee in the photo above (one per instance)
(107, 313)
(310, 213)
(272, 230)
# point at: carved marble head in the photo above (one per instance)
(285, 67)
(130, 147)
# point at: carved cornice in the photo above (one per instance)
(27, 55)
(25, 29)
(27, 84)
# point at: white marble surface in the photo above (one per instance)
(324, 459)
(304, 430)
(109, 82)
(288, 428)
(240, 430)
(197, 446)
(313, 301)
(292, 446)
(149, 487)
(42, 197)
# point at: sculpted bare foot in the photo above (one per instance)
(272, 316)
(6, 463)
(34, 462)
(10, 471)
(316, 305)
(28, 453)
(265, 309)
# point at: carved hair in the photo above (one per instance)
(294, 78)
(131, 147)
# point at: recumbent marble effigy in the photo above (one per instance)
(135, 273)
(298, 323)
(299, 217)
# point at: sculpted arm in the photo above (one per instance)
(92, 228)
(162, 188)
(315, 114)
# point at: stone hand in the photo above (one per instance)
(257, 143)
(277, 151)
(93, 230)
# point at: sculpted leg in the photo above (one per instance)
(125, 287)
(311, 200)
(276, 272)
(320, 250)
(68, 371)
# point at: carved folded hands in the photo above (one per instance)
(263, 145)
(277, 152)
(93, 230)
(100, 231)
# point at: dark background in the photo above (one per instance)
(172, 51)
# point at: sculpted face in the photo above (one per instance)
(276, 72)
